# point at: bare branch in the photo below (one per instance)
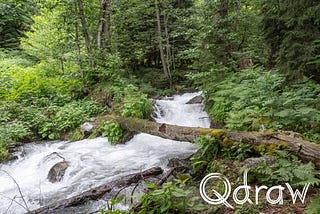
(13, 200)
(14, 180)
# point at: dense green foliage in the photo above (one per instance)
(286, 169)
(292, 31)
(256, 98)
(15, 19)
(171, 198)
(112, 130)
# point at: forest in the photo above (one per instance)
(257, 63)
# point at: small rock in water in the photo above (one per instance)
(196, 100)
(57, 172)
(86, 127)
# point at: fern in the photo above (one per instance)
(287, 169)
(314, 206)
(247, 100)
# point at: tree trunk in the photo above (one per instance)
(85, 33)
(104, 24)
(97, 192)
(224, 9)
(163, 60)
(78, 51)
(168, 48)
(281, 140)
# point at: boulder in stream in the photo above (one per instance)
(57, 172)
(196, 100)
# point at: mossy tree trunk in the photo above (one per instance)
(273, 140)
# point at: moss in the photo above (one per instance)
(270, 148)
(227, 142)
(216, 133)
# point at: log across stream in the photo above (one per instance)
(94, 162)
(283, 140)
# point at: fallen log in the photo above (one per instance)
(98, 192)
(278, 139)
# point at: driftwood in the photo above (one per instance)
(281, 140)
(98, 192)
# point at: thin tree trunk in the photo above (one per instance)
(78, 50)
(168, 47)
(163, 60)
(101, 23)
(107, 24)
(238, 8)
(224, 9)
(104, 24)
(62, 65)
(173, 57)
(85, 33)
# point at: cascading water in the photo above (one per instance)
(94, 161)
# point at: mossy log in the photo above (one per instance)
(273, 140)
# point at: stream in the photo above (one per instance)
(94, 161)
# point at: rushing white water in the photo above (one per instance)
(177, 112)
(94, 161)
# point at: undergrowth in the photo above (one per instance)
(256, 99)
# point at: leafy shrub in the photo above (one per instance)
(139, 107)
(238, 151)
(252, 98)
(15, 131)
(209, 149)
(171, 198)
(132, 103)
(112, 130)
(73, 114)
(67, 117)
(10, 133)
(108, 69)
(286, 169)
(32, 85)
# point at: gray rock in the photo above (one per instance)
(254, 162)
(196, 100)
(86, 127)
(57, 172)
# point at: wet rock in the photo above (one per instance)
(57, 172)
(183, 165)
(196, 100)
(87, 128)
(14, 147)
(168, 98)
(254, 162)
